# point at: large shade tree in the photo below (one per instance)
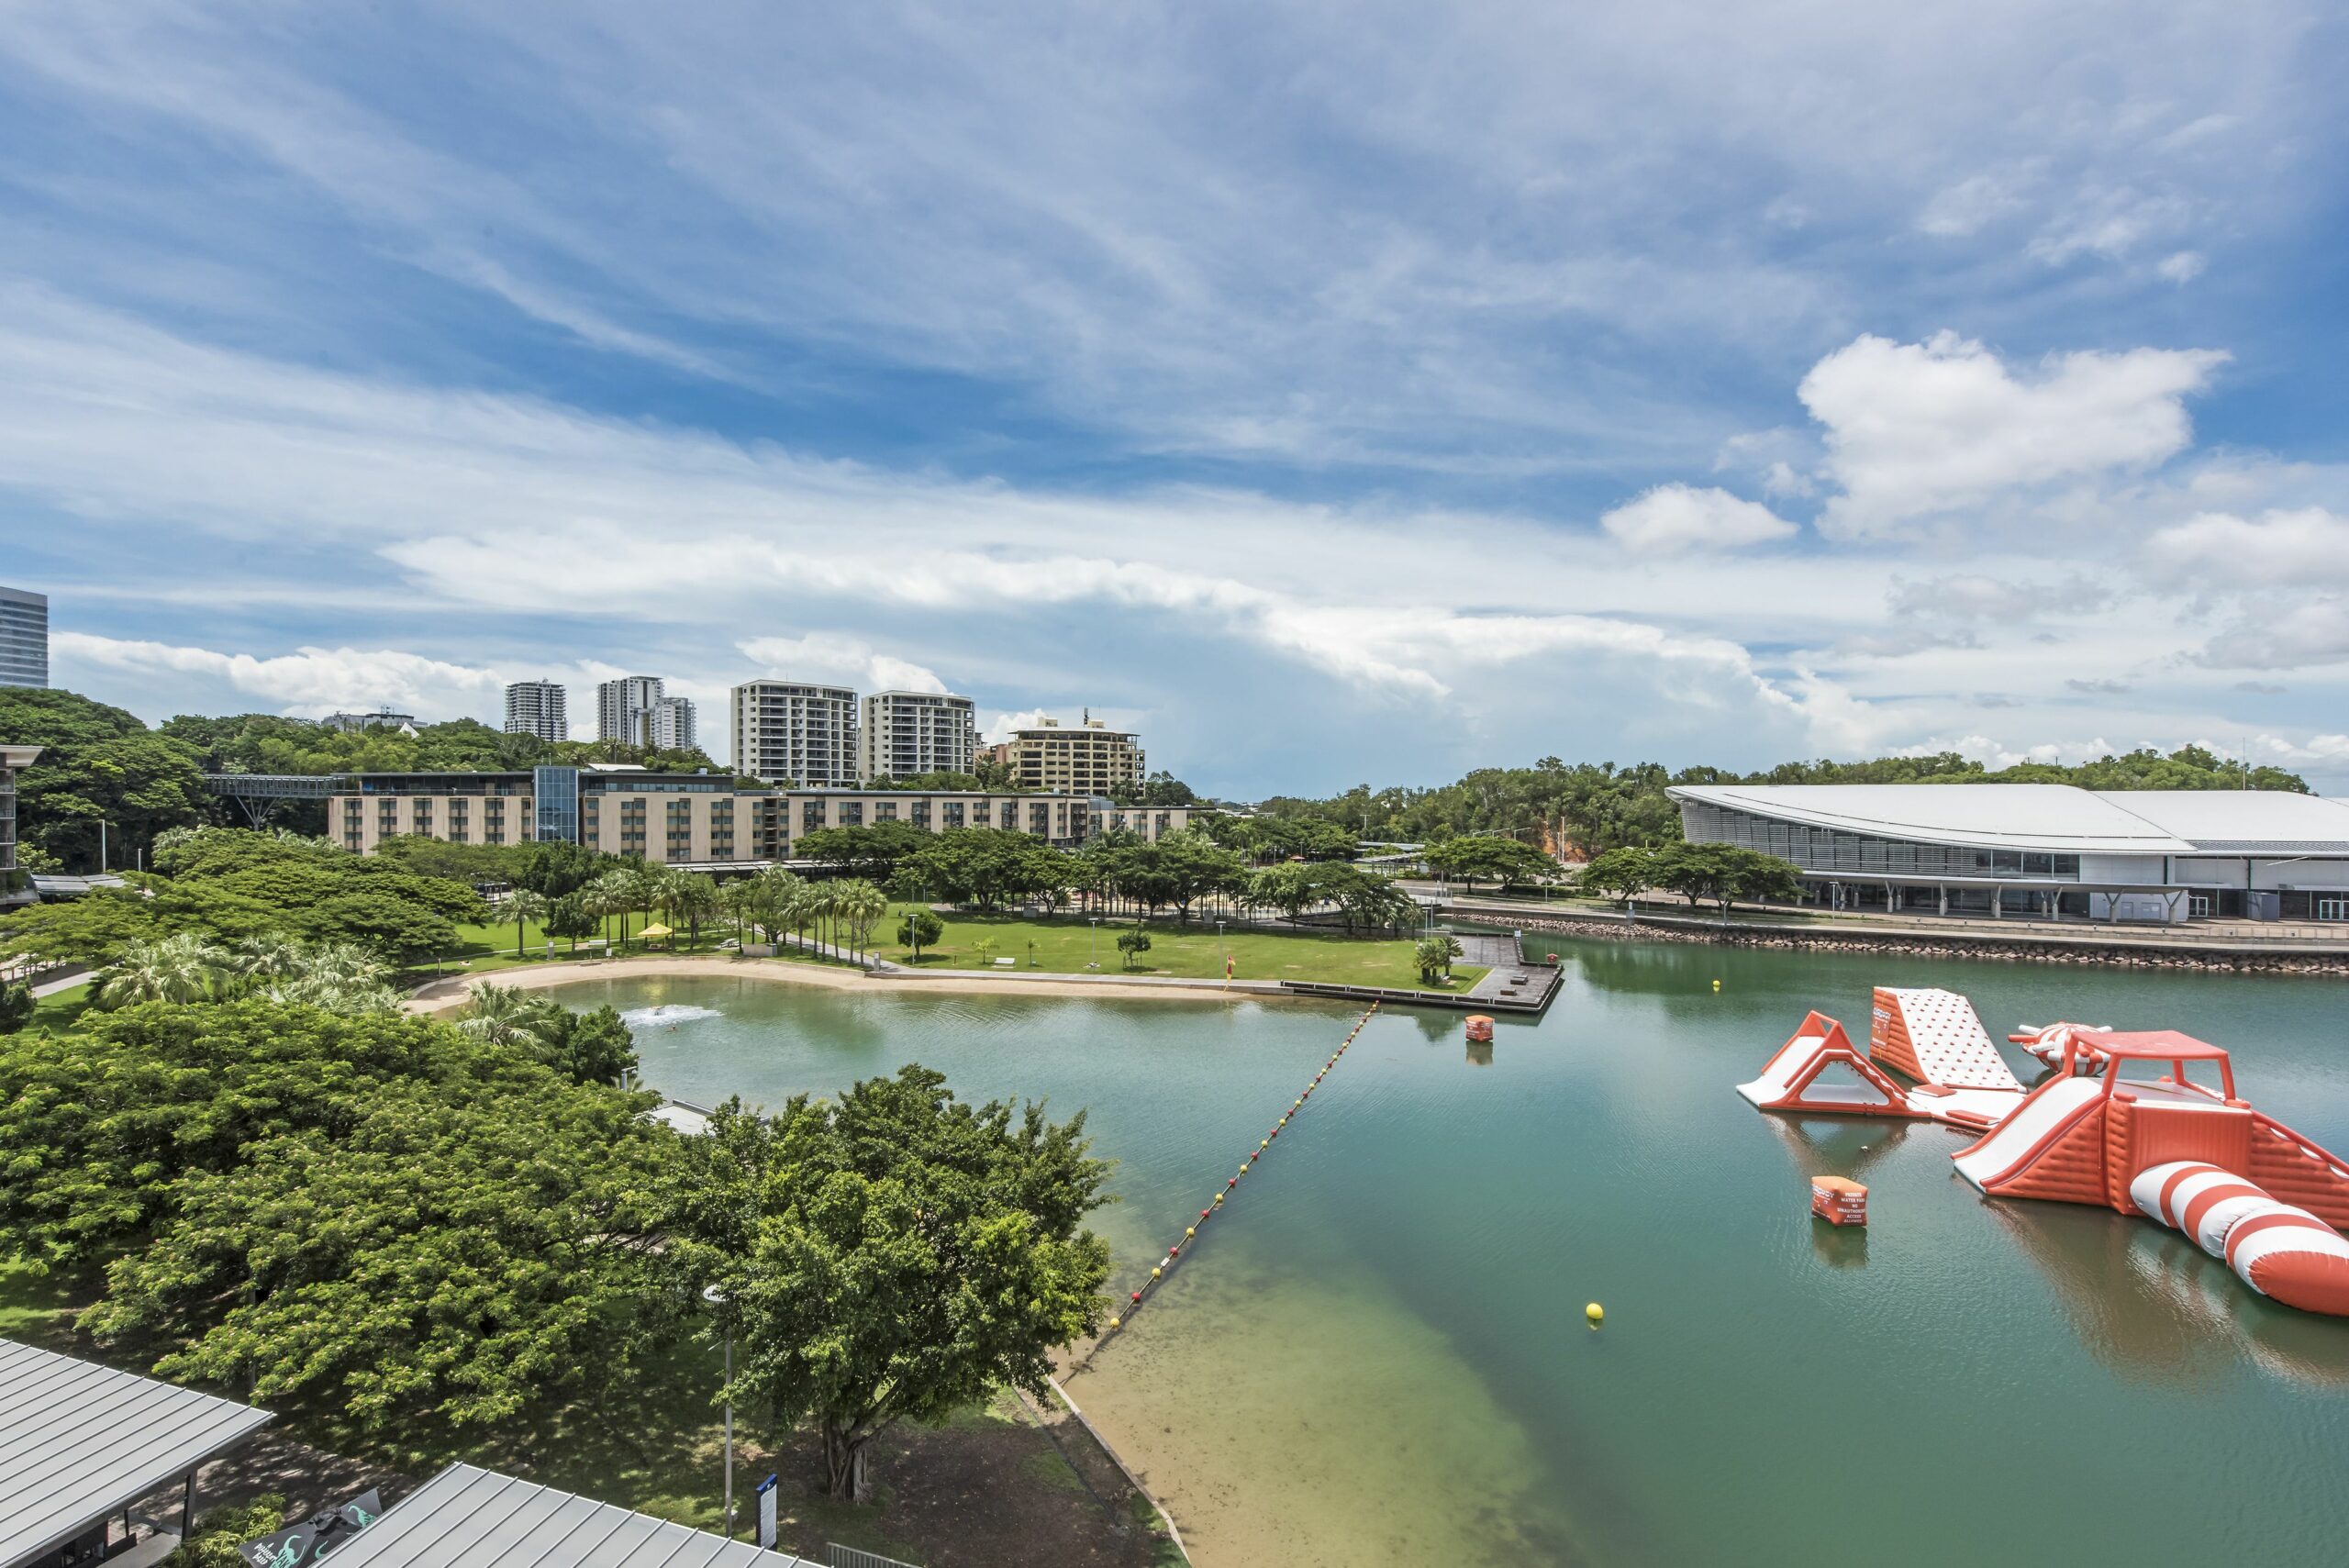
(892, 1256)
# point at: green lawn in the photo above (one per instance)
(63, 1010)
(491, 946)
(1064, 946)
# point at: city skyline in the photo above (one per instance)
(1512, 382)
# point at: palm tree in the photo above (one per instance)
(269, 956)
(509, 1018)
(184, 968)
(525, 907)
(690, 895)
(863, 906)
(605, 896)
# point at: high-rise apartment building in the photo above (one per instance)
(785, 729)
(908, 733)
(1086, 758)
(672, 724)
(24, 638)
(540, 708)
(624, 710)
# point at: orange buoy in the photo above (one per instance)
(1480, 1028)
(1839, 1200)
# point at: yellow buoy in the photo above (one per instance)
(1114, 1322)
(1154, 1273)
(1595, 1313)
(1717, 985)
(1189, 1231)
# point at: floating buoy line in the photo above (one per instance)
(1165, 1265)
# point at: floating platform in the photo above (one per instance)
(2177, 1148)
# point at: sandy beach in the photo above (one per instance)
(444, 995)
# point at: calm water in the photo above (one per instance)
(1378, 1356)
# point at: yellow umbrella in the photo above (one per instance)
(655, 930)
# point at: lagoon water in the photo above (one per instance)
(1378, 1354)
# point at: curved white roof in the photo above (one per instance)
(2243, 821)
(2054, 817)
(1999, 815)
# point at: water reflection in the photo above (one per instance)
(2155, 1308)
(1480, 1053)
(1840, 1146)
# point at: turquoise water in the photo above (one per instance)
(1378, 1354)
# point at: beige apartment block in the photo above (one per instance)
(908, 733)
(790, 730)
(694, 819)
(1083, 759)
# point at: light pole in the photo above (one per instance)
(718, 1301)
(1223, 956)
(1093, 943)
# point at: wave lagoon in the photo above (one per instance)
(1377, 1355)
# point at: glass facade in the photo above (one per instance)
(24, 638)
(555, 793)
(1833, 850)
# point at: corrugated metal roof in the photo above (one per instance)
(79, 1442)
(466, 1517)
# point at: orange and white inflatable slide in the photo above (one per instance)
(2179, 1147)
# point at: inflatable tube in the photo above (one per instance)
(2289, 1255)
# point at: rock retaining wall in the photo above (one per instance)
(1941, 947)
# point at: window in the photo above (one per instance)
(2332, 908)
(2035, 864)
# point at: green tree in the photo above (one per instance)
(183, 968)
(522, 907)
(863, 906)
(590, 1048)
(1721, 872)
(220, 1531)
(508, 1017)
(1622, 874)
(919, 930)
(891, 1257)
(98, 765)
(17, 1005)
(1131, 944)
(570, 918)
(873, 851)
(1433, 954)
(89, 929)
(102, 1125)
(439, 1263)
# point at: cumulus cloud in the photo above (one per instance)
(2275, 633)
(2279, 548)
(838, 656)
(308, 683)
(1671, 518)
(1917, 430)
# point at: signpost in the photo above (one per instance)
(767, 1515)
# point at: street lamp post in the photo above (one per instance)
(1093, 943)
(718, 1301)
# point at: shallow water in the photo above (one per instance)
(1378, 1354)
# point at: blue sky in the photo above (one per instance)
(1336, 392)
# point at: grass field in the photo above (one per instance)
(1065, 946)
(491, 946)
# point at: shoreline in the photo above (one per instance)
(450, 992)
(2033, 948)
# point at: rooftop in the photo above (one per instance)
(465, 1517)
(80, 1441)
(2054, 817)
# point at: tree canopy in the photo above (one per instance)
(892, 1255)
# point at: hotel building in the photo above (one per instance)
(24, 638)
(1086, 758)
(699, 819)
(540, 708)
(2050, 851)
(908, 733)
(807, 734)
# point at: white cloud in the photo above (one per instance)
(308, 683)
(2283, 548)
(1915, 431)
(2182, 266)
(2282, 634)
(1671, 518)
(831, 655)
(1961, 208)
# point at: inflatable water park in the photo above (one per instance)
(2146, 1124)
